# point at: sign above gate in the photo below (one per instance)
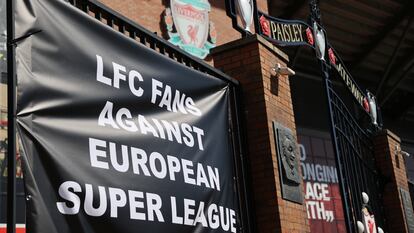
(297, 33)
(285, 32)
(339, 66)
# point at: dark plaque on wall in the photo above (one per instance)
(408, 208)
(288, 160)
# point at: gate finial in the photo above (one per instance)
(314, 10)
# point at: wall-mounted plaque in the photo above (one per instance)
(288, 160)
(408, 208)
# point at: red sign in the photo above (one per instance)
(20, 228)
(322, 194)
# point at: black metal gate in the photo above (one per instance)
(353, 143)
(354, 122)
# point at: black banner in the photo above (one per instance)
(285, 32)
(116, 137)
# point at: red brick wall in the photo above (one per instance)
(147, 13)
(150, 13)
(267, 98)
(391, 164)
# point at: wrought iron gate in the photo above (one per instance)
(352, 132)
(353, 144)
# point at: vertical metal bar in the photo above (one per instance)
(132, 33)
(359, 168)
(11, 122)
(110, 21)
(344, 154)
(341, 174)
(121, 27)
(98, 15)
(170, 53)
(255, 17)
(248, 221)
(142, 39)
(83, 6)
(236, 161)
(352, 155)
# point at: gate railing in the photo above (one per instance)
(356, 161)
(144, 36)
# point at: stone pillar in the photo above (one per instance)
(266, 99)
(391, 164)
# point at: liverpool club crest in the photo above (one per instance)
(189, 27)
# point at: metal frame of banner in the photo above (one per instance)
(11, 121)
